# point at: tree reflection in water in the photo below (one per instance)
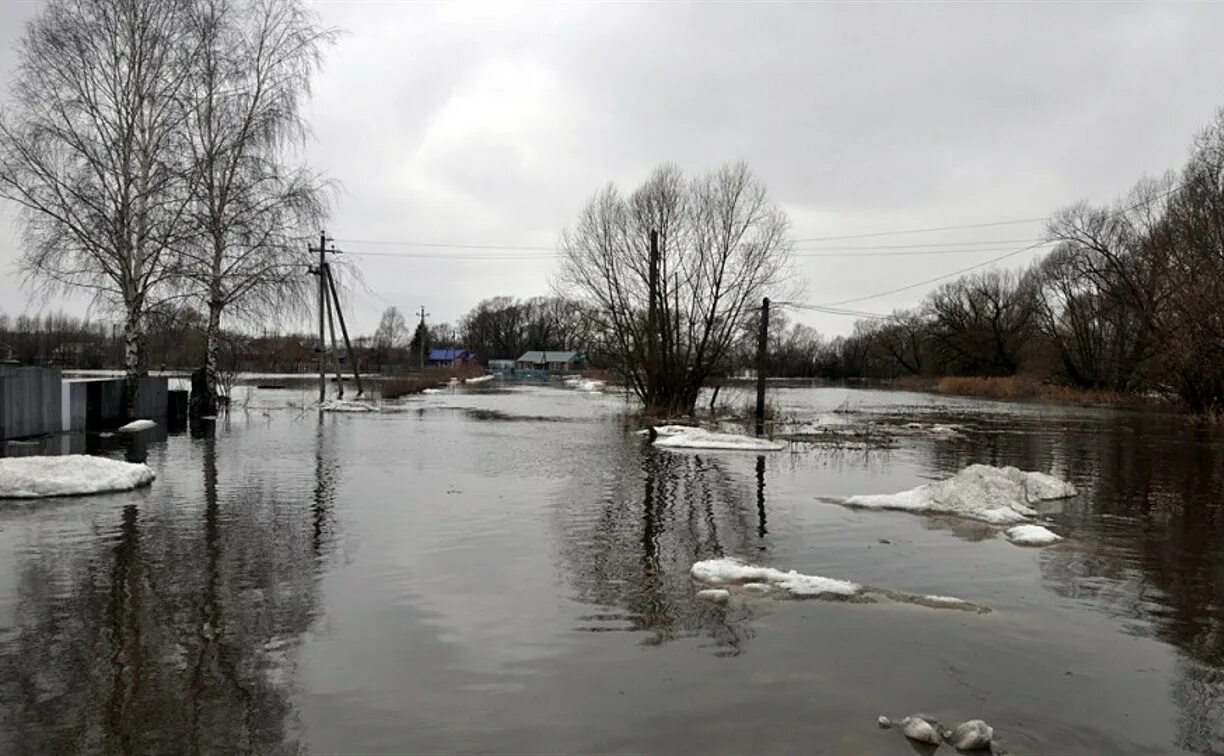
(657, 513)
(173, 631)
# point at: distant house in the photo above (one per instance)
(501, 366)
(550, 360)
(452, 357)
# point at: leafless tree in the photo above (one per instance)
(254, 210)
(92, 151)
(722, 246)
(391, 334)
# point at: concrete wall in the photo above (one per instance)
(31, 401)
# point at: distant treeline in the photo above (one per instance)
(1130, 300)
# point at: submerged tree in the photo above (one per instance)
(93, 152)
(253, 209)
(722, 246)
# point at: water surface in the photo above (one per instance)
(507, 570)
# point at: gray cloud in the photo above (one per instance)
(493, 123)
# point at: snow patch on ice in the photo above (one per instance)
(734, 572)
(70, 475)
(1031, 535)
(685, 437)
(346, 405)
(481, 378)
(997, 495)
(137, 425)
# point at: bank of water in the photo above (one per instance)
(508, 570)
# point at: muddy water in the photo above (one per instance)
(508, 571)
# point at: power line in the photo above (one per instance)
(994, 260)
(924, 230)
(849, 252)
(924, 282)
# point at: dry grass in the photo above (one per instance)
(414, 383)
(1026, 387)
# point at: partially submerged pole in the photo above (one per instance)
(762, 353)
(322, 295)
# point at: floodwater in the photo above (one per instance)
(507, 570)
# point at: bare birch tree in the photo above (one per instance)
(254, 210)
(722, 247)
(91, 150)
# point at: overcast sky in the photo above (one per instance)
(492, 124)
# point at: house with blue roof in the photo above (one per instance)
(452, 357)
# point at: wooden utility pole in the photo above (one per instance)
(421, 333)
(348, 346)
(762, 354)
(322, 301)
(331, 329)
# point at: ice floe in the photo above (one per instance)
(725, 571)
(716, 595)
(481, 378)
(70, 475)
(137, 425)
(1031, 535)
(686, 437)
(996, 495)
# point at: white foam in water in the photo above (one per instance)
(70, 475)
(1031, 535)
(726, 571)
(997, 495)
(685, 437)
(137, 425)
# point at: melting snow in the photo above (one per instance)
(72, 475)
(481, 378)
(1031, 535)
(137, 425)
(685, 437)
(997, 495)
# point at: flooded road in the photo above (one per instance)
(508, 570)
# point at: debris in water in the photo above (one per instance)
(974, 735)
(686, 437)
(345, 405)
(918, 727)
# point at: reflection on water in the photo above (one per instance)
(162, 626)
(657, 513)
(509, 571)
